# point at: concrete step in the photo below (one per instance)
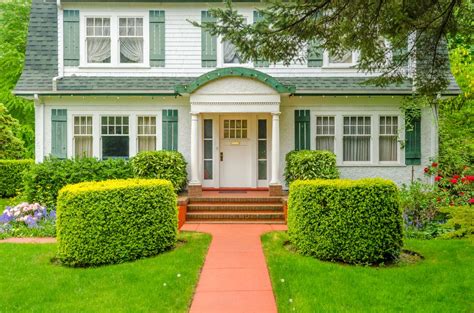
(236, 199)
(233, 206)
(235, 216)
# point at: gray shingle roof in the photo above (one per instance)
(41, 60)
(41, 66)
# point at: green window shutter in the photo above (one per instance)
(170, 130)
(413, 143)
(71, 37)
(302, 130)
(157, 38)
(208, 43)
(257, 16)
(59, 133)
(315, 55)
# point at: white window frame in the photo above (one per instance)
(371, 137)
(327, 64)
(145, 135)
(86, 36)
(220, 52)
(398, 161)
(115, 135)
(336, 128)
(74, 135)
(114, 35)
(118, 40)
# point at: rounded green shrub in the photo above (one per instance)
(352, 221)
(310, 164)
(44, 180)
(169, 165)
(115, 221)
(11, 176)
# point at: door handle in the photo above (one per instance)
(222, 156)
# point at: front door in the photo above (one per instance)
(236, 151)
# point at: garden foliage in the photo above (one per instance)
(310, 164)
(460, 223)
(44, 180)
(11, 176)
(115, 221)
(25, 220)
(352, 221)
(169, 165)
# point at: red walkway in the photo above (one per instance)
(235, 276)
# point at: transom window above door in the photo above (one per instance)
(235, 129)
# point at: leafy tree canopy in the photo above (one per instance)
(286, 28)
(11, 147)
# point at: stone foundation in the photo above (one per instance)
(275, 190)
(194, 191)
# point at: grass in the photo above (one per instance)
(31, 282)
(442, 282)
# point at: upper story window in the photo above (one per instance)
(98, 40)
(131, 39)
(346, 58)
(231, 54)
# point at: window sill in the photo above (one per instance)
(372, 165)
(339, 66)
(108, 67)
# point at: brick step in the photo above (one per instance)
(231, 199)
(232, 207)
(260, 221)
(235, 216)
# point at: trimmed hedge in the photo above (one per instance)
(11, 176)
(352, 221)
(310, 164)
(115, 221)
(44, 180)
(169, 165)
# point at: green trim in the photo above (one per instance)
(302, 130)
(234, 72)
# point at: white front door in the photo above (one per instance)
(237, 151)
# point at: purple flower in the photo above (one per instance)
(30, 221)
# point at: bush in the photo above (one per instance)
(309, 164)
(115, 221)
(44, 180)
(460, 223)
(169, 165)
(420, 204)
(11, 176)
(353, 221)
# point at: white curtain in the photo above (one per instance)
(98, 50)
(146, 143)
(230, 53)
(83, 146)
(388, 148)
(325, 143)
(356, 148)
(132, 50)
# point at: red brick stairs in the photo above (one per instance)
(235, 209)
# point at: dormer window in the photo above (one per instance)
(98, 40)
(131, 40)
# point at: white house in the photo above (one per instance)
(110, 79)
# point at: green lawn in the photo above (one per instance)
(31, 283)
(442, 282)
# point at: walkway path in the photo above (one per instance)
(235, 276)
(29, 240)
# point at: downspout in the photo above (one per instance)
(60, 63)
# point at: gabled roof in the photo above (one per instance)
(41, 66)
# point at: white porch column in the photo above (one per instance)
(39, 129)
(194, 150)
(275, 180)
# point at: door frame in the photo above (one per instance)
(217, 120)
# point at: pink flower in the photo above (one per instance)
(471, 201)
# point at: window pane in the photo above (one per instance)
(208, 169)
(83, 146)
(115, 147)
(262, 149)
(146, 143)
(262, 129)
(388, 148)
(262, 170)
(131, 50)
(356, 148)
(98, 50)
(207, 149)
(207, 128)
(325, 143)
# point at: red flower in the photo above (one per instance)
(434, 164)
(456, 176)
(426, 170)
(438, 178)
(471, 201)
(464, 179)
(470, 178)
(454, 180)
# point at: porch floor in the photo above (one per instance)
(235, 277)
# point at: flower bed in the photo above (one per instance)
(27, 220)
